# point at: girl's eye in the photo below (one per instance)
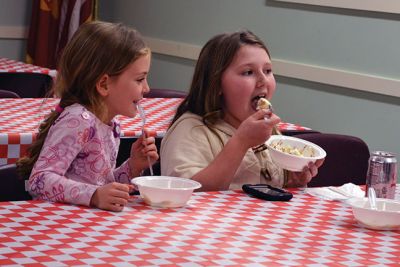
(140, 80)
(268, 71)
(247, 73)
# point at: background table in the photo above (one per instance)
(20, 120)
(224, 228)
(24, 79)
(11, 66)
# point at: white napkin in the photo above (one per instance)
(343, 192)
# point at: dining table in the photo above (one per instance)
(26, 80)
(20, 119)
(216, 228)
(13, 66)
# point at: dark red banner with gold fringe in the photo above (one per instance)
(53, 23)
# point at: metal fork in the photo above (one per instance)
(143, 117)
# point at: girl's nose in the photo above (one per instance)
(261, 80)
(146, 88)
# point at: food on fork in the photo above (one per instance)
(263, 103)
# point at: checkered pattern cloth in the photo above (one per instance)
(20, 120)
(226, 228)
(9, 65)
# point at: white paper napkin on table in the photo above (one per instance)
(343, 192)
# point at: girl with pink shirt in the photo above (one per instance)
(102, 73)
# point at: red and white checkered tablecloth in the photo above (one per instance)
(20, 120)
(9, 65)
(223, 228)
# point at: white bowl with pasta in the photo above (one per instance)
(293, 154)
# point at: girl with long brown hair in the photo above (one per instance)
(102, 73)
(216, 128)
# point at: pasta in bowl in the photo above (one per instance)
(293, 154)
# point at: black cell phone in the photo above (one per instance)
(267, 192)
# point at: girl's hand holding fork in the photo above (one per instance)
(141, 149)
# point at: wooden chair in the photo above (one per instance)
(12, 185)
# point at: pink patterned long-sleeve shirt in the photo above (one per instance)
(78, 155)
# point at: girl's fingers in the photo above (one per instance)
(120, 191)
(132, 188)
(116, 203)
(108, 205)
(119, 201)
(313, 168)
(153, 155)
(307, 177)
(149, 149)
(260, 114)
(121, 194)
(314, 171)
(319, 162)
(149, 140)
(114, 207)
(120, 187)
(148, 144)
(272, 120)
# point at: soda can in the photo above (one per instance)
(382, 174)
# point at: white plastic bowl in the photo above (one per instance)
(165, 191)
(386, 217)
(293, 162)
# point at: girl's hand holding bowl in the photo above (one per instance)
(302, 158)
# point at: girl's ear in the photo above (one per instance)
(101, 85)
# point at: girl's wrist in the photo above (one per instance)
(235, 141)
(285, 178)
(134, 172)
(293, 180)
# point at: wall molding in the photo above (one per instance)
(13, 32)
(176, 49)
(314, 73)
(337, 77)
(387, 6)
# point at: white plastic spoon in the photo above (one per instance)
(372, 198)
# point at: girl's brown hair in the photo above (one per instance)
(204, 97)
(97, 48)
